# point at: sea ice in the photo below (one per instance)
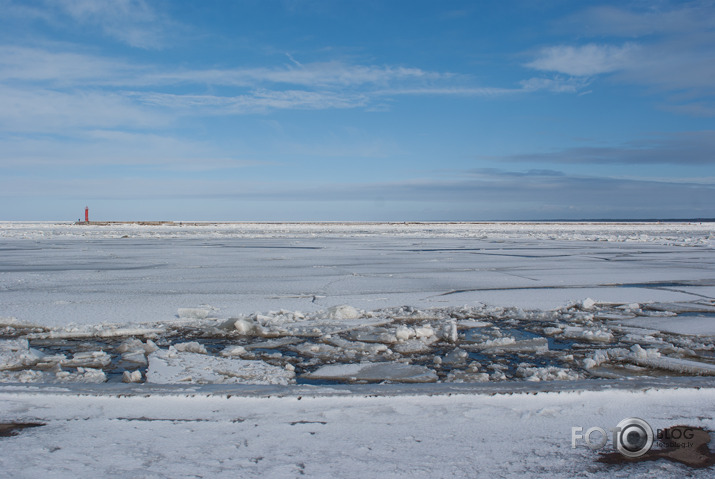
(16, 353)
(375, 372)
(191, 347)
(131, 376)
(172, 366)
(81, 375)
(88, 359)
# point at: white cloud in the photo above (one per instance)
(670, 50)
(586, 60)
(257, 101)
(30, 109)
(133, 22)
(63, 68)
(556, 85)
(646, 18)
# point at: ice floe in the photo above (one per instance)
(470, 343)
(374, 372)
(167, 366)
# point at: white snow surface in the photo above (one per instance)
(420, 435)
(59, 274)
(637, 298)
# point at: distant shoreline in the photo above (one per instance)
(428, 222)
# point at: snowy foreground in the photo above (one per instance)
(192, 434)
(349, 350)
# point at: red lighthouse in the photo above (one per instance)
(86, 214)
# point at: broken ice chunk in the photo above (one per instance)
(375, 372)
(246, 327)
(340, 312)
(82, 375)
(684, 366)
(16, 353)
(403, 333)
(131, 377)
(377, 335)
(425, 331)
(323, 351)
(169, 367)
(459, 376)
(357, 346)
(472, 323)
(273, 343)
(191, 347)
(599, 335)
(588, 304)
(449, 332)
(25, 376)
(548, 373)
(412, 346)
(136, 345)
(89, 359)
(230, 351)
(135, 357)
(456, 356)
(680, 307)
(637, 352)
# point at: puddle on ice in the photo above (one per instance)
(344, 345)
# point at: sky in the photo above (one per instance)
(391, 110)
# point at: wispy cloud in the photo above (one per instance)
(642, 19)
(59, 112)
(50, 87)
(585, 60)
(257, 101)
(133, 22)
(685, 148)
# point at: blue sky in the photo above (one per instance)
(356, 110)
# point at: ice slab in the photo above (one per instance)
(684, 366)
(511, 345)
(689, 325)
(16, 353)
(375, 372)
(681, 307)
(172, 366)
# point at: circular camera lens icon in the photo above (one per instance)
(635, 437)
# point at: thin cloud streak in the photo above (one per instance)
(686, 148)
(563, 192)
(133, 22)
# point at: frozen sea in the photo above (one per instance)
(349, 349)
(57, 274)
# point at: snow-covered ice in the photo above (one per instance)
(57, 274)
(393, 371)
(173, 366)
(373, 432)
(96, 320)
